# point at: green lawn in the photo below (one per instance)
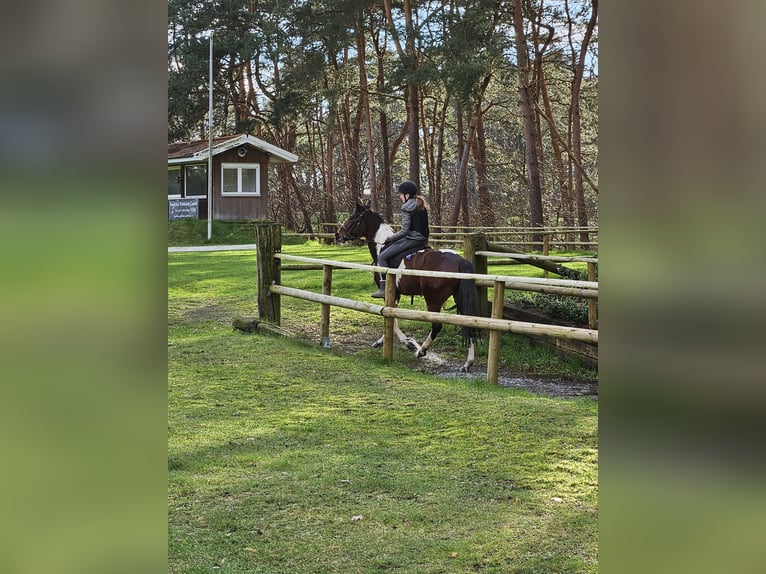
(287, 458)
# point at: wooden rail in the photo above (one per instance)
(587, 289)
(591, 261)
(501, 235)
(523, 328)
(534, 257)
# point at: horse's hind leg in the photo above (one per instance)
(471, 355)
(434, 304)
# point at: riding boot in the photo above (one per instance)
(381, 294)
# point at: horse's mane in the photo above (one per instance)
(377, 216)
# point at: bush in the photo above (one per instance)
(561, 307)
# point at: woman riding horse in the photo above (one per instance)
(365, 223)
(414, 232)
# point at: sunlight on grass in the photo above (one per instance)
(285, 457)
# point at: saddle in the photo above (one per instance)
(407, 253)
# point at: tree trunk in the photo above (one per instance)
(566, 206)
(578, 71)
(437, 196)
(364, 105)
(386, 182)
(413, 105)
(486, 212)
(531, 136)
(428, 139)
(329, 188)
(408, 56)
(460, 187)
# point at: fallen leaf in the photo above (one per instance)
(557, 499)
(453, 555)
(356, 518)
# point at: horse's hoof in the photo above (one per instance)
(377, 344)
(465, 369)
(412, 346)
(422, 354)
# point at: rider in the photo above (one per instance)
(413, 234)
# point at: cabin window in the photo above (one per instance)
(196, 180)
(241, 179)
(174, 181)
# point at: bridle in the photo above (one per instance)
(350, 231)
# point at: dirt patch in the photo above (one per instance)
(440, 365)
(536, 384)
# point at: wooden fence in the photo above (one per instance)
(569, 238)
(270, 289)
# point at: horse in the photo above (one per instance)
(370, 225)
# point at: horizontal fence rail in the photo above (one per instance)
(532, 257)
(568, 237)
(588, 289)
(520, 327)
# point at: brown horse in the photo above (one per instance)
(368, 224)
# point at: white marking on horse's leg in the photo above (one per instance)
(425, 346)
(377, 343)
(469, 361)
(408, 342)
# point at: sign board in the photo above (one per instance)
(183, 208)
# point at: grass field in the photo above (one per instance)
(287, 458)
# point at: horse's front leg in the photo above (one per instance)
(435, 330)
(408, 342)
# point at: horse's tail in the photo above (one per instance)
(467, 299)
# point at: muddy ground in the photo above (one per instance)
(441, 365)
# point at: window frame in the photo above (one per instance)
(186, 183)
(180, 170)
(239, 167)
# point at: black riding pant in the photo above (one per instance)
(390, 252)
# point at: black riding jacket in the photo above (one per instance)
(414, 222)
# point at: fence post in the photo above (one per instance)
(592, 303)
(327, 228)
(493, 351)
(473, 242)
(324, 325)
(268, 239)
(388, 322)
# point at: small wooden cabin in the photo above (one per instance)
(240, 177)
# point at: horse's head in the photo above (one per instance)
(354, 227)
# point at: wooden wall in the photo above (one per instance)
(245, 208)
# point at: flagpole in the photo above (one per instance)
(210, 148)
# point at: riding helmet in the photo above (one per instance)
(408, 188)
